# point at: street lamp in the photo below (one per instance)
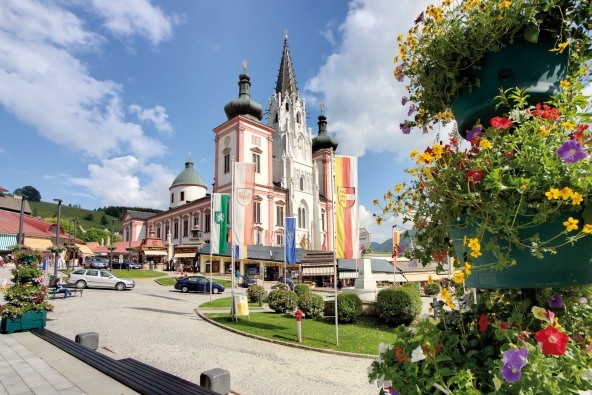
(70, 242)
(58, 228)
(112, 243)
(75, 226)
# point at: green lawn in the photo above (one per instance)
(362, 337)
(224, 303)
(137, 273)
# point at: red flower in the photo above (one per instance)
(483, 323)
(554, 341)
(501, 123)
(503, 326)
(474, 176)
(578, 135)
(546, 112)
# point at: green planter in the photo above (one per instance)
(570, 266)
(520, 64)
(34, 319)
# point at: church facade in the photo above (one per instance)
(292, 179)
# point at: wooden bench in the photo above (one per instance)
(138, 376)
(51, 292)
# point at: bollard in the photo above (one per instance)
(260, 299)
(299, 314)
(216, 380)
(88, 339)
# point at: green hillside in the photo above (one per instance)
(50, 210)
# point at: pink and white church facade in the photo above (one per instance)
(292, 178)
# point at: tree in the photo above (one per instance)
(104, 220)
(29, 193)
(89, 217)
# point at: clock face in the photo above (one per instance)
(227, 141)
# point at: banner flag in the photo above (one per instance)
(219, 224)
(346, 207)
(290, 226)
(396, 248)
(242, 204)
(240, 252)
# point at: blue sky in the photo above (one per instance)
(101, 100)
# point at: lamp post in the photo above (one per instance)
(21, 234)
(70, 243)
(129, 249)
(112, 244)
(75, 226)
(58, 228)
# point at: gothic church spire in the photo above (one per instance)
(286, 82)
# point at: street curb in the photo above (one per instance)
(349, 354)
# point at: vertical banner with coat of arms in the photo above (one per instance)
(242, 207)
(290, 243)
(219, 222)
(346, 210)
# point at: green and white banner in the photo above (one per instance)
(219, 223)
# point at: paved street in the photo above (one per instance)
(157, 325)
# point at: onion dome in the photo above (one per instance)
(323, 140)
(189, 176)
(244, 105)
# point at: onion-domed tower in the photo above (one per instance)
(187, 187)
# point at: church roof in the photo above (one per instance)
(140, 215)
(323, 140)
(286, 82)
(244, 105)
(189, 176)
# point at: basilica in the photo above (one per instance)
(293, 178)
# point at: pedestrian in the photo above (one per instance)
(60, 289)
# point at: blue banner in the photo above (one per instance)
(290, 226)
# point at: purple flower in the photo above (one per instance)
(399, 71)
(419, 18)
(514, 360)
(405, 127)
(571, 151)
(404, 100)
(583, 300)
(411, 109)
(474, 133)
(556, 301)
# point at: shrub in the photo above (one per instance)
(282, 286)
(431, 289)
(253, 293)
(301, 289)
(398, 305)
(312, 305)
(349, 307)
(282, 301)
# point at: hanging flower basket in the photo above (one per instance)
(571, 265)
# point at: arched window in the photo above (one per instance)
(302, 183)
(276, 118)
(298, 118)
(287, 106)
(301, 218)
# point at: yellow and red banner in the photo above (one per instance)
(242, 206)
(346, 207)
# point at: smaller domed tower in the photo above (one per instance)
(187, 187)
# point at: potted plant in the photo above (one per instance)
(458, 55)
(510, 342)
(25, 307)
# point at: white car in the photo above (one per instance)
(95, 278)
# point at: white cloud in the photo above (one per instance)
(384, 231)
(136, 17)
(356, 84)
(157, 116)
(126, 181)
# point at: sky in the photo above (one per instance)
(101, 101)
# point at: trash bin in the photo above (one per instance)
(242, 306)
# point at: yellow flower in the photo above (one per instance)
(568, 125)
(571, 224)
(560, 47)
(474, 244)
(465, 240)
(476, 253)
(505, 4)
(485, 144)
(438, 150)
(566, 193)
(565, 84)
(587, 228)
(425, 157)
(543, 131)
(459, 277)
(576, 198)
(376, 203)
(467, 268)
(414, 154)
(539, 313)
(553, 193)
(430, 279)
(451, 305)
(398, 188)
(379, 220)
(400, 38)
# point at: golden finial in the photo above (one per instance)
(244, 66)
(286, 34)
(322, 108)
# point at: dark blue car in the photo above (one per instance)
(197, 284)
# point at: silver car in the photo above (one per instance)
(95, 278)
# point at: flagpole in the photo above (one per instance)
(232, 253)
(334, 241)
(211, 233)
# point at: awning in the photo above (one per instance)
(155, 253)
(185, 255)
(37, 244)
(318, 271)
(348, 275)
(6, 241)
(84, 249)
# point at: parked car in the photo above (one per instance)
(286, 280)
(248, 281)
(96, 262)
(197, 284)
(95, 278)
(126, 263)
